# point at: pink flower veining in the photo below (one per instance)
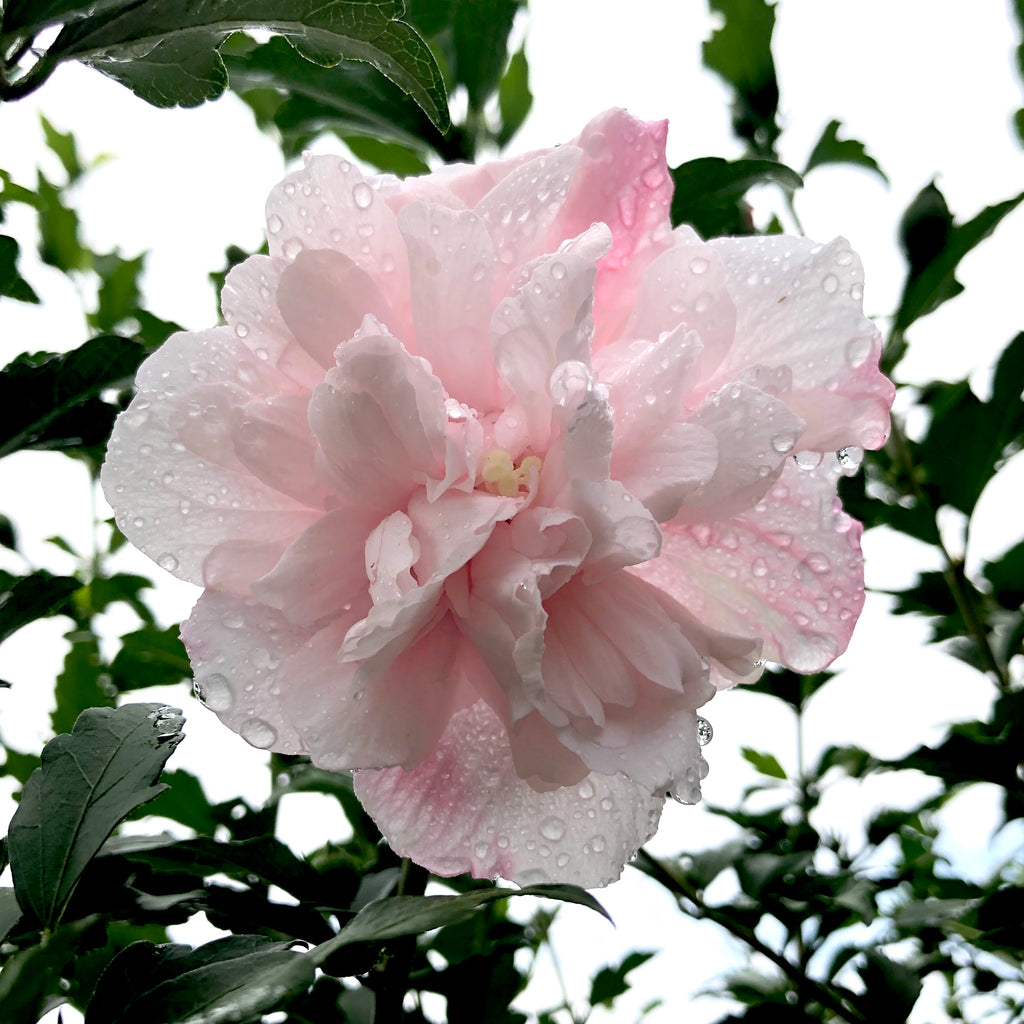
(492, 479)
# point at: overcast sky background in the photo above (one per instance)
(928, 87)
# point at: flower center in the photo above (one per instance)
(500, 475)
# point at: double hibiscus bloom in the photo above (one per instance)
(492, 479)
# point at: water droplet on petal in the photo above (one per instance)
(362, 195)
(704, 731)
(274, 224)
(829, 284)
(167, 561)
(214, 691)
(552, 828)
(698, 265)
(258, 733)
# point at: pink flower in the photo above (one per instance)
(490, 481)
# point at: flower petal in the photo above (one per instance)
(466, 809)
(805, 313)
(380, 420)
(789, 570)
(451, 268)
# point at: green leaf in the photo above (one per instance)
(409, 915)
(933, 282)
(59, 244)
(33, 597)
(709, 192)
(51, 401)
(29, 16)
(87, 783)
(30, 983)
(141, 44)
(891, 988)
(63, 145)
(830, 149)
(10, 912)
(390, 157)
(610, 982)
(740, 53)
(480, 30)
(183, 801)
(766, 764)
(228, 981)
(968, 437)
(514, 97)
(80, 683)
(8, 538)
(119, 290)
(12, 284)
(352, 98)
(1006, 574)
(150, 657)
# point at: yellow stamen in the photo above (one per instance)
(501, 476)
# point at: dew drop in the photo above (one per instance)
(857, 351)
(552, 828)
(241, 330)
(274, 224)
(598, 843)
(760, 567)
(232, 620)
(699, 265)
(562, 859)
(258, 733)
(291, 247)
(783, 443)
(480, 849)
(214, 691)
(167, 561)
(585, 790)
(362, 195)
(829, 284)
(704, 731)
(856, 291)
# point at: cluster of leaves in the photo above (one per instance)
(835, 933)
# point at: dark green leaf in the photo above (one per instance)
(150, 657)
(80, 684)
(480, 31)
(514, 97)
(1006, 575)
(709, 192)
(766, 764)
(51, 401)
(18, 765)
(30, 983)
(10, 912)
(119, 290)
(610, 982)
(29, 16)
(8, 538)
(228, 981)
(155, 36)
(740, 53)
(390, 157)
(183, 801)
(409, 915)
(153, 331)
(33, 597)
(830, 149)
(968, 437)
(891, 988)
(352, 98)
(12, 284)
(934, 282)
(59, 244)
(87, 783)
(926, 913)
(63, 145)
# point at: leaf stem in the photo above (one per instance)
(30, 80)
(953, 569)
(392, 981)
(820, 992)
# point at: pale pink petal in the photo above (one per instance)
(271, 437)
(521, 209)
(687, 286)
(391, 551)
(789, 570)
(329, 204)
(451, 268)
(322, 573)
(323, 297)
(799, 305)
(249, 305)
(466, 809)
(547, 322)
(380, 420)
(754, 432)
(179, 489)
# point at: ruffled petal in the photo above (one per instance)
(322, 574)
(466, 809)
(789, 570)
(324, 296)
(754, 433)
(329, 204)
(451, 268)
(799, 305)
(380, 420)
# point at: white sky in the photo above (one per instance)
(930, 91)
